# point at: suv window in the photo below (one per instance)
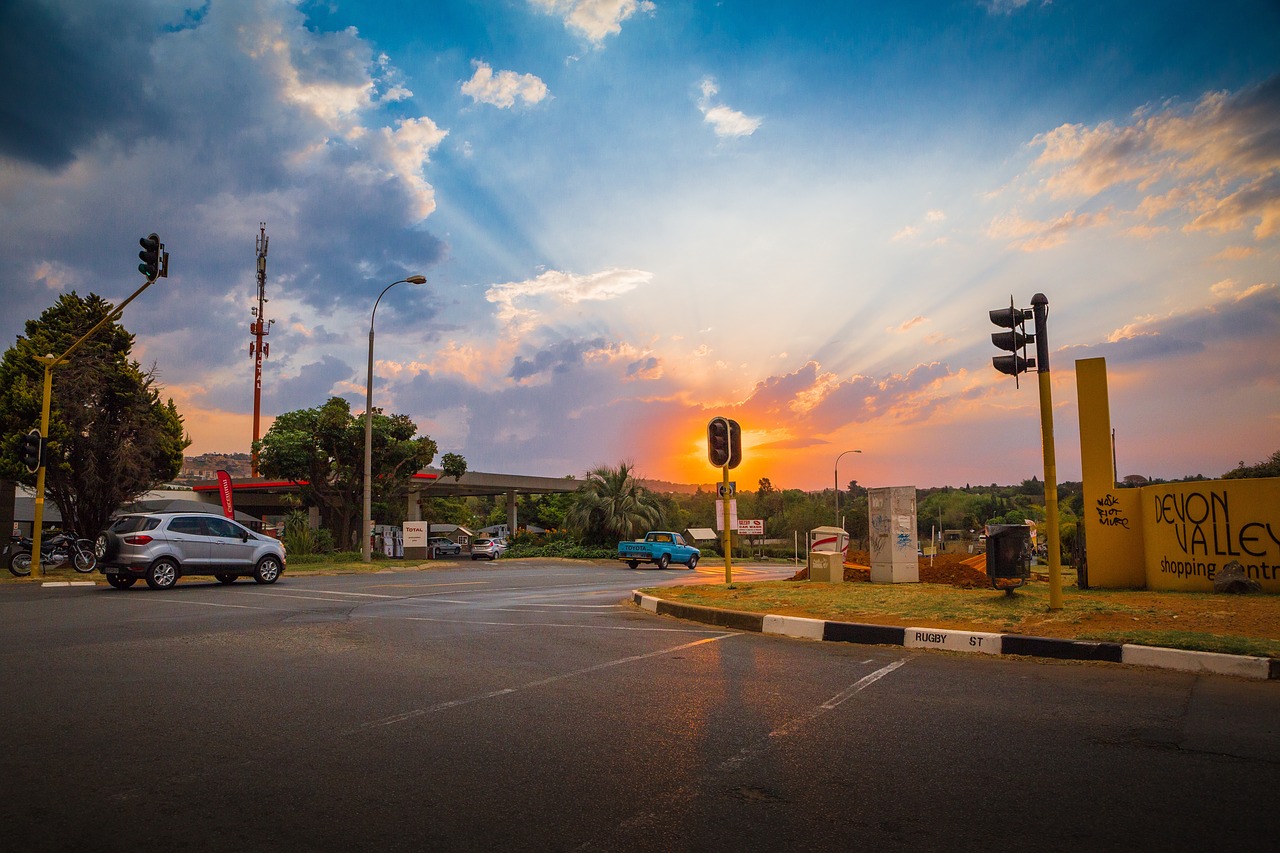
(189, 525)
(134, 523)
(222, 527)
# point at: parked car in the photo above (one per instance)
(491, 548)
(161, 547)
(443, 546)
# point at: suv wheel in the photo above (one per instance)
(162, 574)
(267, 570)
(106, 546)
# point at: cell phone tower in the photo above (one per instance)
(259, 349)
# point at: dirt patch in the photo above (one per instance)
(959, 570)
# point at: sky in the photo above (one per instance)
(635, 216)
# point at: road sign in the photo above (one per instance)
(728, 490)
(733, 515)
(751, 527)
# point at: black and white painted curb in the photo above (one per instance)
(966, 641)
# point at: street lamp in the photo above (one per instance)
(838, 458)
(366, 546)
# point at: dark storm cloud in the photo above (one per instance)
(311, 387)
(72, 72)
(558, 358)
(199, 125)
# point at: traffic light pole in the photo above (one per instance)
(725, 535)
(50, 362)
(1040, 305)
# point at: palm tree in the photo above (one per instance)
(612, 505)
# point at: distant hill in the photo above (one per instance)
(663, 487)
(207, 465)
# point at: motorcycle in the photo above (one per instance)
(56, 550)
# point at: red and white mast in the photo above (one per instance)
(259, 349)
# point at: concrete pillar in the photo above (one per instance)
(313, 517)
(511, 513)
(413, 511)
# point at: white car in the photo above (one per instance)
(491, 548)
(443, 546)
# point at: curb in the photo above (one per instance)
(979, 642)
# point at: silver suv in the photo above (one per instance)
(161, 547)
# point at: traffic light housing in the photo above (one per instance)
(1013, 341)
(150, 256)
(724, 442)
(33, 450)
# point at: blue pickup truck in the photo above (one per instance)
(660, 547)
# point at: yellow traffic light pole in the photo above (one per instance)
(50, 362)
(725, 535)
(1040, 305)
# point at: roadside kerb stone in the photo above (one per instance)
(1243, 666)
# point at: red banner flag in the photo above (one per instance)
(224, 489)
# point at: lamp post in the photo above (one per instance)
(366, 546)
(838, 458)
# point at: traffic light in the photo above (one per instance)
(33, 450)
(150, 256)
(1013, 341)
(724, 442)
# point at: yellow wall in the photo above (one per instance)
(1192, 530)
(1112, 517)
(1171, 536)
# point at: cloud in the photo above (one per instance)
(407, 150)
(503, 89)
(558, 358)
(594, 19)
(512, 298)
(1213, 165)
(1031, 235)
(727, 123)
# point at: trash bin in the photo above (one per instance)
(1008, 555)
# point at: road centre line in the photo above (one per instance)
(760, 747)
(207, 603)
(542, 682)
(542, 625)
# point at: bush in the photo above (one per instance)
(562, 547)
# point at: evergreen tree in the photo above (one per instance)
(111, 438)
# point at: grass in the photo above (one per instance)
(1198, 621)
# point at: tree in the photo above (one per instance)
(612, 505)
(111, 439)
(324, 447)
(1269, 467)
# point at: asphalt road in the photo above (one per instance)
(529, 707)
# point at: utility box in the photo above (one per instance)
(1008, 555)
(892, 525)
(827, 549)
(826, 566)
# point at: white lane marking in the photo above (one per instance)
(760, 747)
(579, 606)
(541, 682)
(208, 603)
(542, 625)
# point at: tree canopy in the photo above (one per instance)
(1269, 467)
(612, 505)
(324, 447)
(111, 438)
